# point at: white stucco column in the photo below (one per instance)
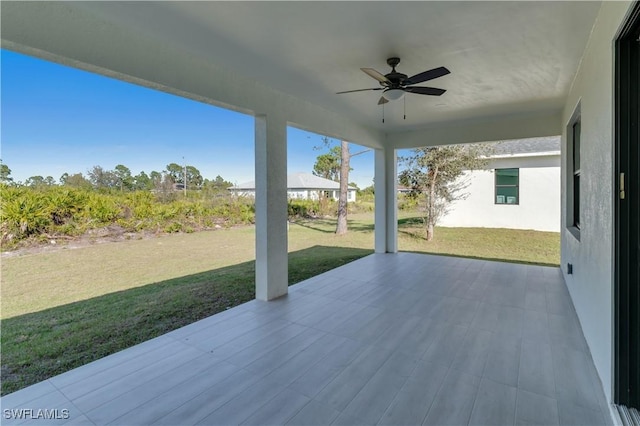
(386, 201)
(380, 209)
(271, 207)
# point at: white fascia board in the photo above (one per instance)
(527, 154)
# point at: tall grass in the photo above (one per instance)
(41, 213)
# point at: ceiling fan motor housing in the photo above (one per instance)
(396, 78)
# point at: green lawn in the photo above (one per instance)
(66, 308)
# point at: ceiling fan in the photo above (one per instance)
(395, 84)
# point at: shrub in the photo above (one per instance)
(66, 204)
(303, 208)
(173, 227)
(408, 202)
(299, 208)
(102, 208)
(26, 212)
(141, 204)
(361, 207)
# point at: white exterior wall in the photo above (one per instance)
(245, 193)
(302, 194)
(297, 194)
(311, 194)
(539, 197)
(591, 285)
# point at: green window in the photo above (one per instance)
(507, 190)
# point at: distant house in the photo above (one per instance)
(520, 189)
(304, 186)
(404, 189)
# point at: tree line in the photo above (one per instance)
(121, 178)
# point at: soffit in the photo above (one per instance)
(506, 58)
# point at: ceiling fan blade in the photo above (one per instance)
(375, 74)
(433, 91)
(382, 100)
(427, 75)
(359, 90)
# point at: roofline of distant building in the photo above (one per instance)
(525, 154)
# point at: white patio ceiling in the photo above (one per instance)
(511, 62)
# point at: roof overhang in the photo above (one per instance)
(512, 63)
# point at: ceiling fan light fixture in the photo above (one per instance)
(393, 94)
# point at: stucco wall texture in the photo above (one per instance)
(539, 197)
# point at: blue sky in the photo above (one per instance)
(57, 119)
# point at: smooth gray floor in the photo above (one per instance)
(389, 339)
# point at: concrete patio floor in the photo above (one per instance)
(388, 339)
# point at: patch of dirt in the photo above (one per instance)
(107, 234)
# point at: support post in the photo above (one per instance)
(386, 201)
(271, 207)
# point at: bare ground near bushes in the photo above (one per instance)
(106, 234)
